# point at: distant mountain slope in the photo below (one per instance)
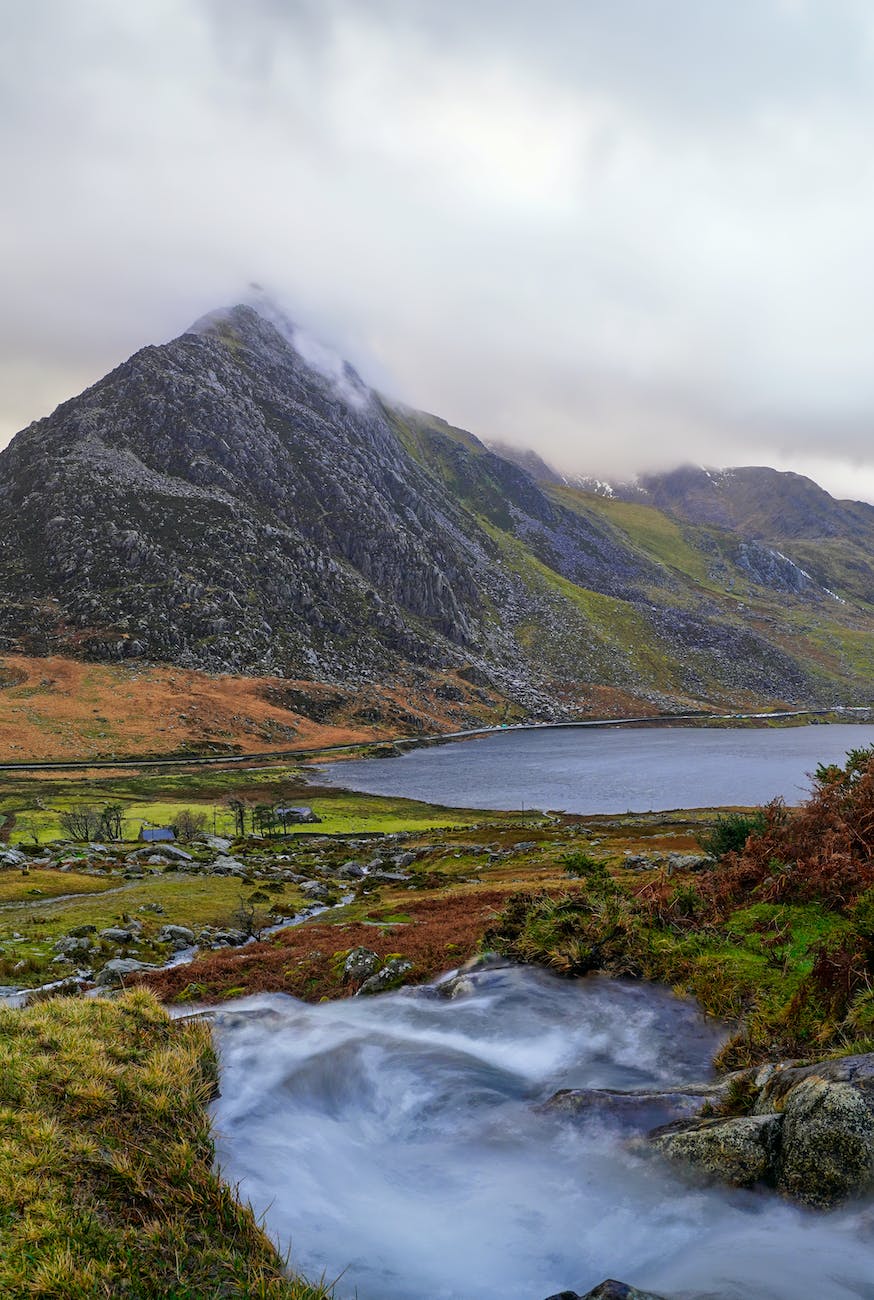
(239, 501)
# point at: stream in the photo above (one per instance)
(396, 1143)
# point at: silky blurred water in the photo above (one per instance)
(396, 1143)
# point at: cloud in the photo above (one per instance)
(626, 235)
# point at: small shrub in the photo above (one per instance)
(582, 866)
(730, 832)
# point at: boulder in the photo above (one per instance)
(114, 972)
(177, 854)
(12, 858)
(688, 862)
(226, 867)
(73, 946)
(172, 933)
(316, 890)
(115, 934)
(361, 964)
(216, 842)
(224, 938)
(740, 1151)
(389, 977)
(827, 1151)
(776, 1081)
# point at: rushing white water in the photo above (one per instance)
(397, 1141)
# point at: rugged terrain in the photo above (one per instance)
(238, 503)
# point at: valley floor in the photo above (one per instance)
(105, 1100)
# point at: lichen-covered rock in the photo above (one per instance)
(740, 1151)
(775, 1081)
(390, 977)
(360, 964)
(827, 1151)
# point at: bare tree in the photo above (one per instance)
(81, 823)
(110, 821)
(189, 824)
(238, 808)
(248, 918)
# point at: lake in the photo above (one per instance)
(608, 770)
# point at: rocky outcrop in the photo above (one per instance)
(609, 1290)
(810, 1134)
(740, 1152)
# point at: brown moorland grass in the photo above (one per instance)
(307, 961)
(61, 708)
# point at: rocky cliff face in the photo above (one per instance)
(237, 500)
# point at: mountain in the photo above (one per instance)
(239, 501)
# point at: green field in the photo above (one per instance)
(32, 807)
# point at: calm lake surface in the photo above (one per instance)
(609, 770)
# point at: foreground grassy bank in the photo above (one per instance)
(106, 1179)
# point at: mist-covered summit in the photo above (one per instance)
(239, 500)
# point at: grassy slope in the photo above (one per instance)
(59, 708)
(832, 640)
(106, 1179)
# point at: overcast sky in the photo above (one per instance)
(626, 233)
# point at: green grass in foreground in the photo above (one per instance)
(106, 1181)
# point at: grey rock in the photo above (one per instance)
(216, 842)
(740, 1151)
(639, 1109)
(71, 945)
(228, 938)
(171, 933)
(115, 934)
(361, 964)
(114, 972)
(776, 1081)
(174, 852)
(689, 862)
(226, 867)
(316, 890)
(827, 1152)
(389, 977)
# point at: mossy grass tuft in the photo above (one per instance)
(107, 1186)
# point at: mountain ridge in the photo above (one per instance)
(239, 501)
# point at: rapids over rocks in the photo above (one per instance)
(397, 1142)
